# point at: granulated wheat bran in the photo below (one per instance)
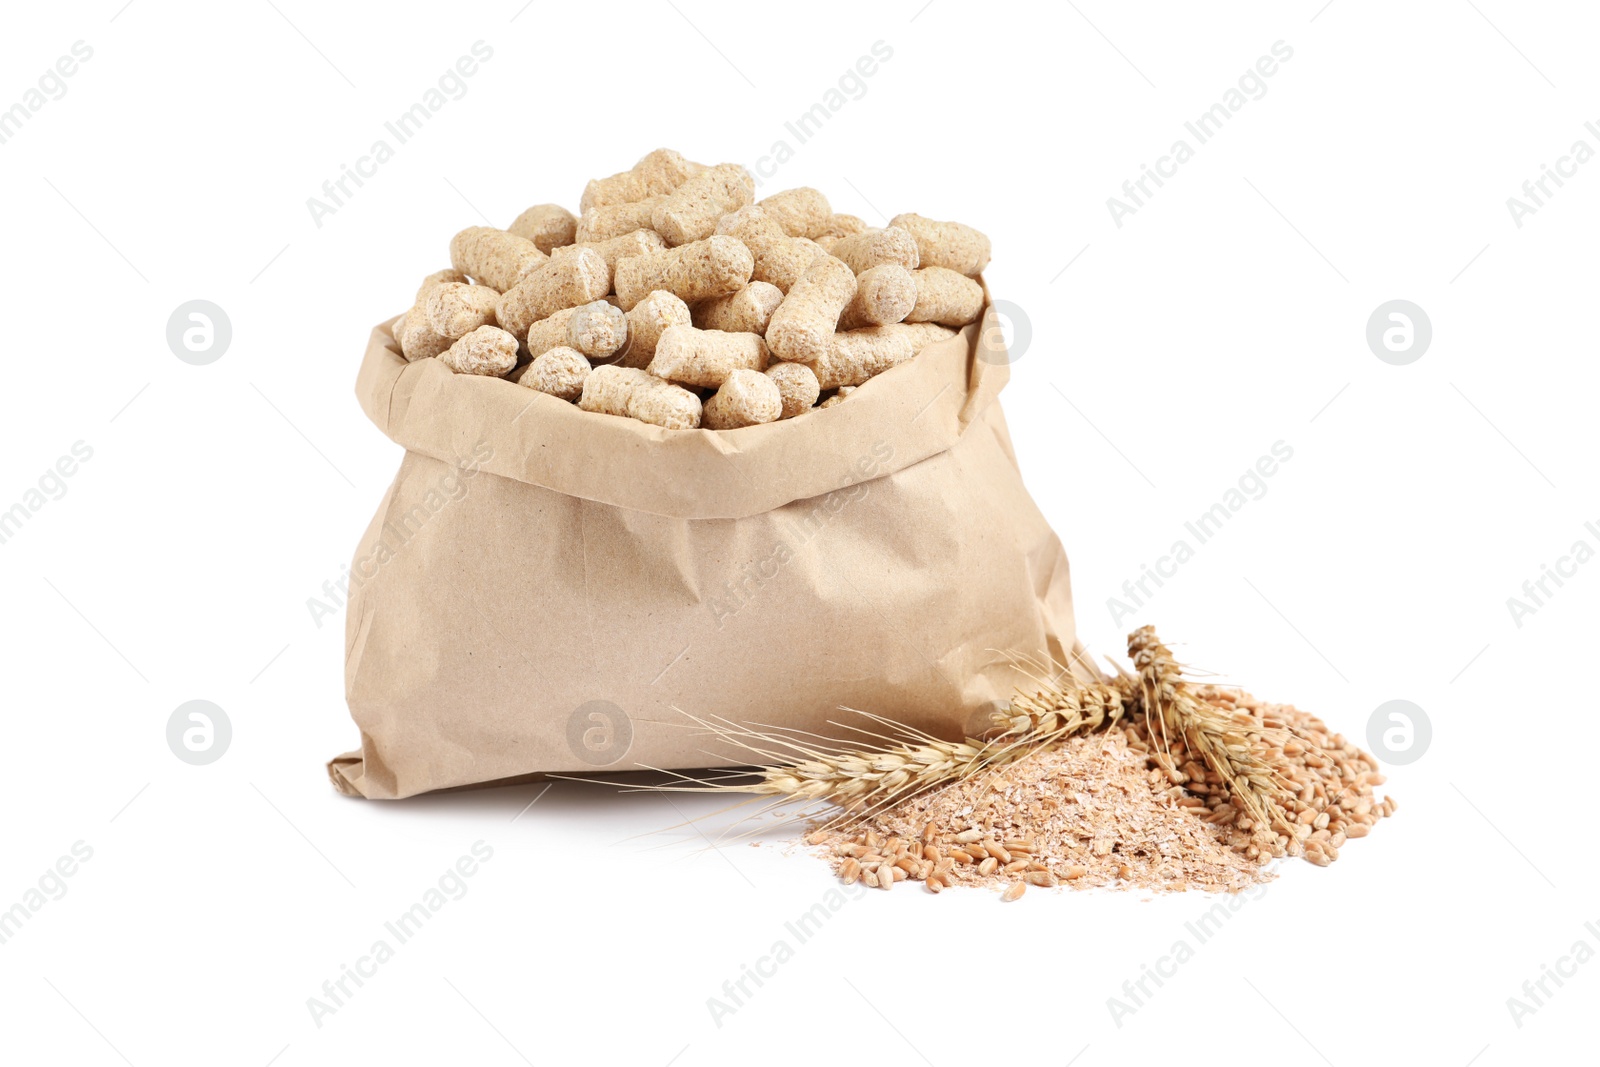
(1100, 809)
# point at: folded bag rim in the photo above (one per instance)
(919, 408)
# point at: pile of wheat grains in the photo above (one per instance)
(1118, 808)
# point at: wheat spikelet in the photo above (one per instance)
(1233, 745)
(909, 761)
(1053, 711)
(795, 766)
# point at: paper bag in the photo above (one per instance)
(548, 590)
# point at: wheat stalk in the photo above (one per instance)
(1233, 745)
(909, 761)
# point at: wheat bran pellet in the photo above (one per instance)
(839, 396)
(802, 212)
(609, 391)
(565, 282)
(841, 226)
(747, 311)
(797, 387)
(647, 321)
(455, 309)
(884, 294)
(567, 257)
(945, 296)
(450, 274)
(746, 398)
(706, 358)
(613, 390)
(559, 371)
(873, 247)
(806, 321)
(658, 173)
(548, 332)
(690, 212)
(598, 330)
(547, 225)
(494, 257)
(852, 357)
(946, 244)
(779, 259)
(487, 350)
(664, 404)
(615, 220)
(670, 244)
(417, 339)
(633, 243)
(412, 331)
(700, 270)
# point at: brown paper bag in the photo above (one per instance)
(543, 587)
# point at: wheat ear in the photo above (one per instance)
(1232, 744)
(910, 761)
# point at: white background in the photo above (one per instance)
(1168, 354)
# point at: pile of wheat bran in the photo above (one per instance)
(1102, 810)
